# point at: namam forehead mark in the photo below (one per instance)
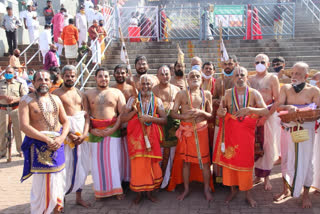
(164, 70)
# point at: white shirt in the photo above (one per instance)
(66, 19)
(87, 5)
(81, 21)
(28, 16)
(45, 39)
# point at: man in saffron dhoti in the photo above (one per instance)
(45, 124)
(268, 127)
(106, 147)
(144, 136)
(167, 93)
(186, 153)
(234, 150)
(296, 164)
(76, 147)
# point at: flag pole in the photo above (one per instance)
(145, 135)
(181, 60)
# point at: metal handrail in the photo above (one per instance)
(313, 9)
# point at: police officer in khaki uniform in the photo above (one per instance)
(10, 93)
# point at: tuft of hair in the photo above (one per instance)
(140, 58)
(68, 68)
(278, 59)
(98, 70)
(303, 66)
(209, 63)
(264, 56)
(120, 66)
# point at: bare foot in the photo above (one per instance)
(250, 200)
(208, 195)
(306, 202)
(231, 196)
(317, 192)
(257, 180)
(151, 198)
(281, 196)
(277, 162)
(120, 197)
(267, 184)
(138, 198)
(183, 195)
(83, 203)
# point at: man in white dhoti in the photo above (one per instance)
(268, 127)
(45, 41)
(105, 143)
(81, 24)
(28, 22)
(167, 93)
(94, 33)
(297, 166)
(76, 148)
(44, 121)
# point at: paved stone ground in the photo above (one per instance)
(15, 198)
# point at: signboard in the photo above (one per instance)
(229, 15)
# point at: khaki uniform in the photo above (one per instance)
(14, 89)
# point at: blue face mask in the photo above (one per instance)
(228, 75)
(196, 67)
(8, 76)
(30, 77)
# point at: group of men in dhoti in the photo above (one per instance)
(155, 131)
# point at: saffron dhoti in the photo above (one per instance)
(146, 173)
(186, 151)
(238, 158)
(107, 160)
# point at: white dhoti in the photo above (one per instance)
(47, 192)
(285, 140)
(167, 174)
(96, 52)
(316, 161)
(272, 134)
(83, 37)
(33, 33)
(107, 166)
(77, 158)
(71, 51)
(299, 167)
(43, 53)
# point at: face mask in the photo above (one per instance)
(8, 76)
(313, 82)
(100, 24)
(30, 77)
(260, 67)
(82, 12)
(228, 75)
(278, 69)
(196, 67)
(53, 51)
(299, 87)
(206, 76)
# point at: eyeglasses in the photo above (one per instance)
(228, 64)
(262, 62)
(276, 64)
(240, 75)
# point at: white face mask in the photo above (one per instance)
(206, 76)
(260, 68)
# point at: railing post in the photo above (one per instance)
(252, 21)
(294, 21)
(205, 25)
(158, 26)
(81, 73)
(200, 21)
(97, 54)
(25, 59)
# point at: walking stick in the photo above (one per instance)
(145, 135)
(181, 60)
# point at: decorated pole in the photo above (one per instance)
(125, 58)
(181, 60)
(221, 58)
